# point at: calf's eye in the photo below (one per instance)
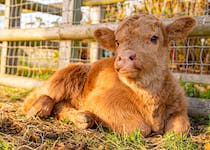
(154, 39)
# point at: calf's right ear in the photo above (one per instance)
(106, 38)
(180, 28)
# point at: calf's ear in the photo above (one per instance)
(180, 28)
(106, 38)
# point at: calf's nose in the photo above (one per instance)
(126, 56)
(125, 59)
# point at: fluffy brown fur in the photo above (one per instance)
(134, 90)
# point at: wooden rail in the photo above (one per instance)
(75, 32)
(198, 107)
(199, 78)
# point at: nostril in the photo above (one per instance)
(119, 58)
(132, 57)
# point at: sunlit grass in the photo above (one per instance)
(174, 141)
(12, 93)
(196, 90)
(125, 141)
(6, 146)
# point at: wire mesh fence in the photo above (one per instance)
(31, 14)
(39, 59)
(191, 56)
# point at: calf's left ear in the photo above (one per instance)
(180, 28)
(106, 38)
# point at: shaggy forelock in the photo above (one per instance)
(135, 20)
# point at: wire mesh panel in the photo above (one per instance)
(80, 51)
(33, 13)
(191, 56)
(37, 59)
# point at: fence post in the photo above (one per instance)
(95, 15)
(4, 44)
(12, 19)
(65, 46)
(69, 16)
(3, 57)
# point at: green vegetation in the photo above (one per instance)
(125, 141)
(5, 146)
(36, 63)
(12, 93)
(179, 142)
(42, 73)
(196, 90)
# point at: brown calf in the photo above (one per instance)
(134, 90)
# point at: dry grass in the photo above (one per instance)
(16, 132)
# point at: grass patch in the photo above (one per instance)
(196, 90)
(5, 146)
(125, 141)
(11, 93)
(17, 132)
(178, 142)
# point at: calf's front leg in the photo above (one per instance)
(81, 119)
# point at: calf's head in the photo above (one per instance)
(141, 41)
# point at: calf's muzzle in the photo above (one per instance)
(125, 60)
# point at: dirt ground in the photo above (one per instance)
(18, 132)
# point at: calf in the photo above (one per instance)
(133, 91)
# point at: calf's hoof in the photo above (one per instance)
(41, 107)
(83, 120)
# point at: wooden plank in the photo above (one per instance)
(199, 78)
(64, 32)
(20, 82)
(74, 32)
(198, 107)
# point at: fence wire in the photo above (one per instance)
(32, 14)
(191, 56)
(39, 59)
